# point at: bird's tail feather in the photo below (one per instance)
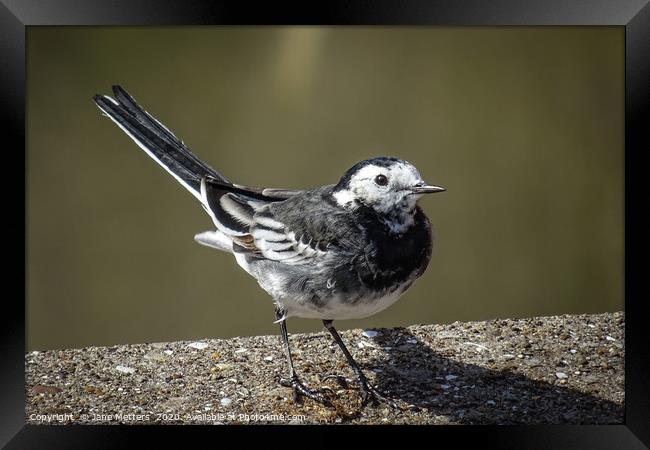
(231, 206)
(157, 140)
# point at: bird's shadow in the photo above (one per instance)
(412, 372)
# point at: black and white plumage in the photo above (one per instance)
(339, 251)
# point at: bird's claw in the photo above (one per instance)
(300, 390)
(368, 393)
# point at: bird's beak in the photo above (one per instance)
(425, 189)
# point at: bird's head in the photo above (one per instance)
(390, 186)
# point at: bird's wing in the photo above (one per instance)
(276, 241)
(263, 194)
(247, 218)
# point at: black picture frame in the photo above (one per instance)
(634, 15)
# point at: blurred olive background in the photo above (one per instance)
(524, 126)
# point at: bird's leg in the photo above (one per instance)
(293, 381)
(367, 391)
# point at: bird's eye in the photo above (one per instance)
(381, 180)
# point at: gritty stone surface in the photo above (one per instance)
(560, 370)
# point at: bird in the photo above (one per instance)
(341, 251)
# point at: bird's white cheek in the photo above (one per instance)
(372, 195)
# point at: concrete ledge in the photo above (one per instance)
(564, 369)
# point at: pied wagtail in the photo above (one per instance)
(343, 251)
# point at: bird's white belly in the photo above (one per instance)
(337, 308)
(333, 307)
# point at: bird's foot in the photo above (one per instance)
(369, 393)
(300, 390)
